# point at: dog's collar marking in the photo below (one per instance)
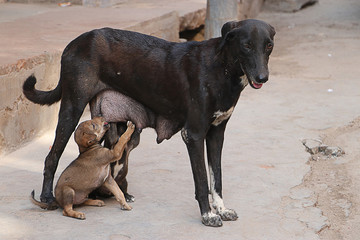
(244, 81)
(222, 116)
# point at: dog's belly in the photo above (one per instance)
(117, 107)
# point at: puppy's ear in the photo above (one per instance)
(90, 138)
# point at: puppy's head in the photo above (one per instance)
(90, 132)
(248, 45)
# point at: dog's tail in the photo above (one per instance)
(41, 97)
(52, 206)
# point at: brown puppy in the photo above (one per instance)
(90, 170)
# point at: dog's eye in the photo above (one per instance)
(93, 125)
(247, 46)
(269, 46)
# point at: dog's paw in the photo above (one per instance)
(129, 198)
(99, 203)
(228, 215)
(211, 219)
(50, 201)
(74, 214)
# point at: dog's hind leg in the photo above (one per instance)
(120, 175)
(214, 144)
(68, 195)
(69, 115)
(94, 202)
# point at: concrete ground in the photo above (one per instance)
(267, 175)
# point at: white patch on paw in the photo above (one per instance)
(217, 203)
(222, 116)
(209, 214)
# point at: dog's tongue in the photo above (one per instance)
(257, 85)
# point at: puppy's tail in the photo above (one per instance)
(41, 97)
(52, 206)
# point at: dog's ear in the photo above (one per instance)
(272, 31)
(227, 27)
(227, 34)
(90, 138)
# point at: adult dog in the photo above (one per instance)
(194, 86)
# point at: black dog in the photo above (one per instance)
(192, 87)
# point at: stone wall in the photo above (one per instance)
(21, 120)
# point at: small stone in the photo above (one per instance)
(300, 193)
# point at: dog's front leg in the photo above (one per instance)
(214, 144)
(195, 147)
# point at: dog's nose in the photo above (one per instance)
(262, 78)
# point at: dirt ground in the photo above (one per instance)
(321, 45)
(278, 189)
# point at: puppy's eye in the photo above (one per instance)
(93, 125)
(269, 46)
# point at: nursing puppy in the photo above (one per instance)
(90, 170)
(117, 109)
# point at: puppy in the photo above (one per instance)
(90, 170)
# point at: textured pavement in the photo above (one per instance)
(313, 86)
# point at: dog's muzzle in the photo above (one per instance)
(259, 81)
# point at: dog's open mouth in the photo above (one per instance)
(255, 85)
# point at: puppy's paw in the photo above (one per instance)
(80, 215)
(129, 131)
(74, 214)
(211, 219)
(126, 207)
(99, 203)
(130, 125)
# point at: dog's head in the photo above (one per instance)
(90, 132)
(248, 45)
